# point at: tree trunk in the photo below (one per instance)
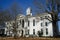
(54, 24)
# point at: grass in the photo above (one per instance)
(29, 38)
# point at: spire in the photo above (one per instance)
(29, 11)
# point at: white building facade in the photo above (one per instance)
(38, 25)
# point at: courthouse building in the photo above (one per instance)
(29, 25)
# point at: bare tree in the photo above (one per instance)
(15, 10)
(53, 11)
(5, 16)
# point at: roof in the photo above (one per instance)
(42, 14)
(20, 15)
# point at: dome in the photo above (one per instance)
(29, 11)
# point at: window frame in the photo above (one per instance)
(28, 23)
(41, 24)
(46, 31)
(42, 31)
(33, 22)
(46, 24)
(33, 31)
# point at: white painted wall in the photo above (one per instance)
(38, 27)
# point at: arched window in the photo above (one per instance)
(41, 24)
(46, 24)
(46, 31)
(41, 31)
(34, 31)
(23, 23)
(28, 22)
(33, 22)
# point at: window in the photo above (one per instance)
(28, 23)
(41, 31)
(46, 24)
(33, 22)
(22, 32)
(41, 24)
(34, 31)
(22, 23)
(28, 32)
(46, 31)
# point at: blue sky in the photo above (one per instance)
(6, 4)
(23, 3)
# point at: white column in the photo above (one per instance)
(44, 28)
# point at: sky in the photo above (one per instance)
(6, 4)
(23, 3)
